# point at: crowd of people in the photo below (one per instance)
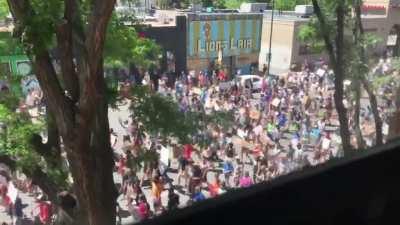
(286, 125)
(289, 124)
(10, 187)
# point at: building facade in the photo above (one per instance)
(230, 40)
(380, 18)
(286, 46)
(206, 41)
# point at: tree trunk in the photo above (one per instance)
(374, 107)
(359, 32)
(394, 126)
(339, 77)
(337, 63)
(81, 115)
(357, 129)
(394, 121)
(94, 174)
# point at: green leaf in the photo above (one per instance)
(4, 11)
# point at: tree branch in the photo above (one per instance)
(324, 31)
(53, 136)
(375, 112)
(359, 36)
(93, 84)
(65, 45)
(37, 175)
(43, 182)
(8, 161)
(58, 103)
(98, 21)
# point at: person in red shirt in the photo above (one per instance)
(184, 160)
(44, 211)
(214, 188)
(121, 166)
(257, 151)
(221, 75)
(187, 152)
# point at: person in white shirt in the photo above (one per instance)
(298, 153)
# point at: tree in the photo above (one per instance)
(394, 120)
(234, 4)
(336, 49)
(220, 4)
(19, 135)
(9, 46)
(161, 116)
(362, 44)
(355, 63)
(207, 3)
(123, 45)
(77, 98)
(16, 142)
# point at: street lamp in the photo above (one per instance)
(270, 38)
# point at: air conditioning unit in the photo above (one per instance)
(304, 10)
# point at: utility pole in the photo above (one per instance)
(270, 39)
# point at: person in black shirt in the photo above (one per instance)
(173, 200)
(195, 180)
(154, 77)
(230, 152)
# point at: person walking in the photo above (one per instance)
(227, 171)
(246, 180)
(173, 200)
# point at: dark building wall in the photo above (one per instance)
(181, 44)
(171, 39)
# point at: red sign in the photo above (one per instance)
(373, 8)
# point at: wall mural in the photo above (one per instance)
(207, 39)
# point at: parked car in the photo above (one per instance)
(249, 81)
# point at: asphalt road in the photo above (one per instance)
(114, 116)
